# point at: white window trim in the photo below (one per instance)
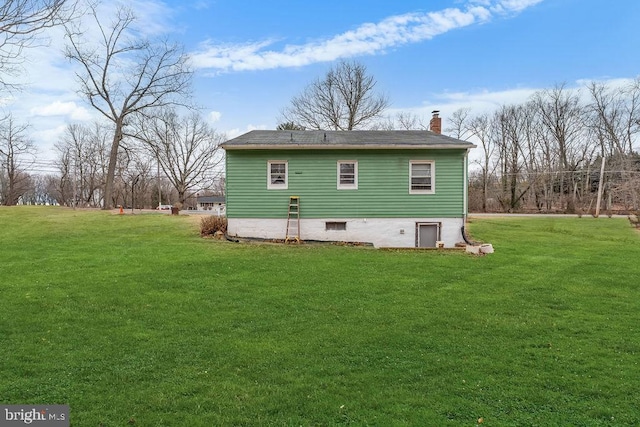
(433, 176)
(284, 186)
(353, 186)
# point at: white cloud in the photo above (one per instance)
(485, 101)
(479, 102)
(610, 82)
(506, 6)
(46, 139)
(368, 39)
(214, 116)
(49, 100)
(232, 133)
(46, 68)
(58, 108)
(202, 5)
(50, 134)
(153, 17)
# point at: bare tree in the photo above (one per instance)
(186, 148)
(217, 188)
(61, 184)
(481, 129)
(38, 193)
(289, 126)
(21, 25)
(410, 121)
(133, 178)
(510, 140)
(402, 120)
(125, 75)
(140, 180)
(615, 119)
(72, 150)
(459, 124)
(343, 100)
(82, 162)
(562, 116)
(16, 155)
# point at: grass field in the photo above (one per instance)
(136, 320)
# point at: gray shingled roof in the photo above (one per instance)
(360, 139)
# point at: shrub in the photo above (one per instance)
(210, 225)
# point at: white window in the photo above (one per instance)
(347, 175)
(277, 175)
(421, 179)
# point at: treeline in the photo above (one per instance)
(168, 160)
(570, 151)
(151, 147)
(563, 150)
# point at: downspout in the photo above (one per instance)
(466, 187)
(465, 202)
(231, 239)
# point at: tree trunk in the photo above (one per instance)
(485, 190)
(111, 170)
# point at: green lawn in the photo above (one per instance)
(136, 320)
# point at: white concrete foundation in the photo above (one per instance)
(381, 232)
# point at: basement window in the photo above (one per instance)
(335, 226)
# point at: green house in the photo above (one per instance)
(388, 188)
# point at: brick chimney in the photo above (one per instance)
(435, 125)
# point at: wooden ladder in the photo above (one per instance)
(293, 220)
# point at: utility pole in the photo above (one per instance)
(600, 188)
(75, 180)
(159, 189)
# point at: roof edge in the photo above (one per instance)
(292, 146)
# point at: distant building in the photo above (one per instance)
(212, 203)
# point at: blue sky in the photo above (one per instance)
(251, 57)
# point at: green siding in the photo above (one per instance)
(383, 184)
